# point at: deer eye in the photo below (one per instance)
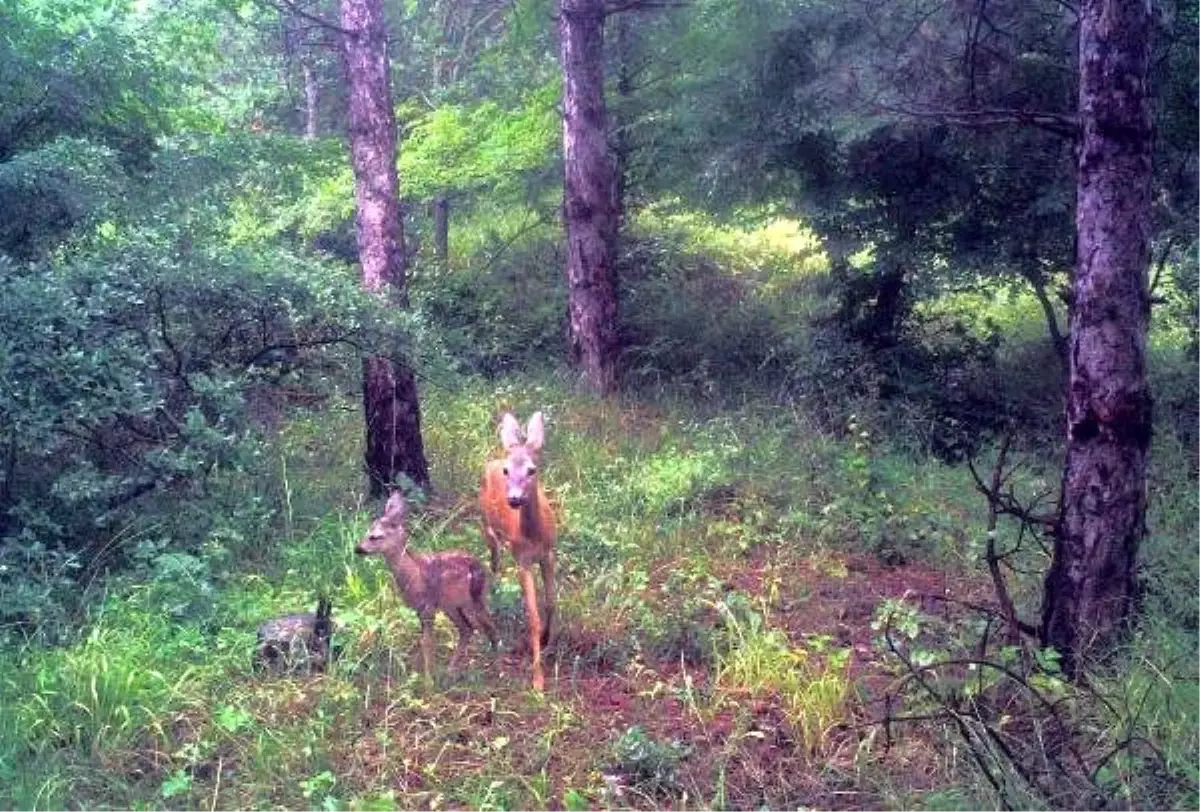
(506, 470)
(531, 470)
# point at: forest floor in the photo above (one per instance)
(482, 739)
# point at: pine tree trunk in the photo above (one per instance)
(589, 199)
(393, 424)
(1090, 590)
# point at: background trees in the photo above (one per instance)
(841, 240)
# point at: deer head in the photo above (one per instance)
(520, 466)
(387, 532)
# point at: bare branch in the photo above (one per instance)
(292, 7)
(1061, 124)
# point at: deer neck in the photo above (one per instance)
(405, 568)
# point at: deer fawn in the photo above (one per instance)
(517, 514)
(452, 581)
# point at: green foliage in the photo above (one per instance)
(55, 189)
(138, 376)
(649, 765)
(504, 311)
(464, 150)
(810, 682)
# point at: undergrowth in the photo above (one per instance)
(718, 575)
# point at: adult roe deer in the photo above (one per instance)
(517, 514)
(453, 581)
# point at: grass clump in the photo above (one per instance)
(810, 682)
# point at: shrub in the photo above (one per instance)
(134, 377)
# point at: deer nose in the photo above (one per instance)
(515, 501)
(359, 550)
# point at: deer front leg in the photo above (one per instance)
(535, 624)
(547, 566)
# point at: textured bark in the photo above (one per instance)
(589, 196)
(393, 424)
(1091, 586)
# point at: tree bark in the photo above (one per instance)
(441, 229)
(390, 405)
(1090, 590)
(589, 196)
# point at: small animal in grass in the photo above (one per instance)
(297, 641)
(453, 581)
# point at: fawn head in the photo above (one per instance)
(387, 532)
(520, 466)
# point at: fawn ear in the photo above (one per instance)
(535, 433)
(510, 431)
(395, 506)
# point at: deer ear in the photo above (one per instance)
(535, 432)
(510, 431)
(395, 506)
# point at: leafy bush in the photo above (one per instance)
(135, 377)
(49, 192)
(503, 314)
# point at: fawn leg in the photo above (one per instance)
(463, 624)
(547, 566)
(535, 624)
(483, 619)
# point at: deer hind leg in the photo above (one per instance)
(460, 619)
(535, 624)
(547, 566)
(482, 619)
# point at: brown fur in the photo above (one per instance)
(518, 515)
(453, 582)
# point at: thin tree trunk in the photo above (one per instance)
(1037, 281)
(1090, 591)
(441, 229)
(312, 99)
(589, 199)
(622, 143)
(393, 424)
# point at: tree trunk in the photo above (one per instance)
(589, 196)
(1037, 280)
(1090, 590)
(392, 412)
(441, 229)
(622, 142)
(311, 99)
